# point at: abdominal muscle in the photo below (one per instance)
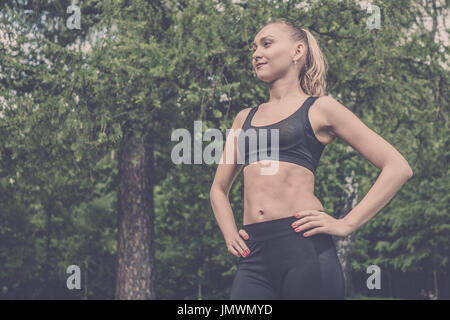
(279, 195)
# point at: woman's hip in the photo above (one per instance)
(276, 239)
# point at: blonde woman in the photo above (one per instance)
(285, 247)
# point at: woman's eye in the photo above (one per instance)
(264, 45)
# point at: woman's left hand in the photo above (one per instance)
(320, 222)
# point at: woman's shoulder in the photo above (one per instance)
(326, 101)
(240, 117)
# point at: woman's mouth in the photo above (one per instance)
(260, 65)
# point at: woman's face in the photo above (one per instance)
(273, 47)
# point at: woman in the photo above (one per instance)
(285, 247)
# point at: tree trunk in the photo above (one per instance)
(199, 293)
(344, 245)
(135, 243)
(436, 290)
(48, 292)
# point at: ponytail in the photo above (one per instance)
(313, 73)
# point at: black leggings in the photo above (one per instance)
(283, 264)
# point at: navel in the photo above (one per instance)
(261, 212)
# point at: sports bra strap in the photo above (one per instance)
(249, 116)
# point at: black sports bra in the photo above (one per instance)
(296, 140)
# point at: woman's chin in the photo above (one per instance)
(264, 78)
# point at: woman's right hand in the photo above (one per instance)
(237, 246)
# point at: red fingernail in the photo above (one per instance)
(305, 234)
(246, 237)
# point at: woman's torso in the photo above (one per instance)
(291, 188)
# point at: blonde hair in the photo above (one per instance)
(313, 75)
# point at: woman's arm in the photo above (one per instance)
(391, 178)
(395, 170)
(226, 173)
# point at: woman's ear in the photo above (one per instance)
(299, 51)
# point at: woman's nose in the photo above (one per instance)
(256, 58)
(256, 55)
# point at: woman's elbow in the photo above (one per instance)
(215, 189)
(410, 173)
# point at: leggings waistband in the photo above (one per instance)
(271, 229)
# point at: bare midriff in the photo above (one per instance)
(278, 195)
